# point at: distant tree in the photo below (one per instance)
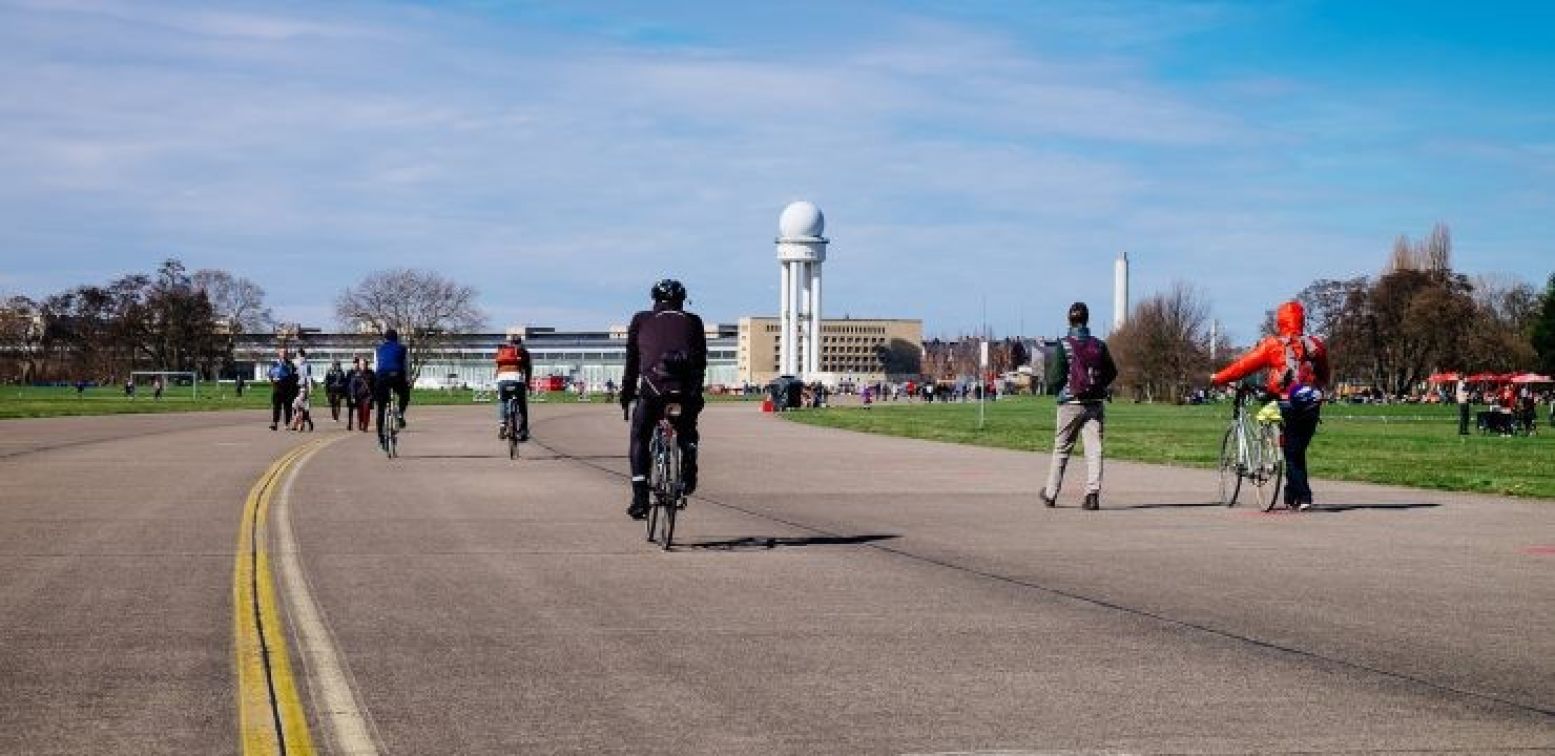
(1499, 339)
(1542, 330)
(1162, 350)
(239, 307)
(423, 305)
(22, 347)
(238, 302)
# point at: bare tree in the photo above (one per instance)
(1162, 350)
(239, 302)
(422, 305)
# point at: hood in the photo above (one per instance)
(1291, 318)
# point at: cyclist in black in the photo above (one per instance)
(666, 361)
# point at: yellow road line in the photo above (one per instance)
(270, 714)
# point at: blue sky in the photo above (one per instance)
(562, 156)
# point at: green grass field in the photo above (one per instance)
(1408, 445)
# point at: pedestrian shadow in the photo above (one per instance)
(763, 543)
(1339, 508)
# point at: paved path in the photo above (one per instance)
(838, 593)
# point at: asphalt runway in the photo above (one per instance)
(836, 593)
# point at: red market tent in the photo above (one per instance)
(1483, 378)
(1531, 378)
(1443, 378)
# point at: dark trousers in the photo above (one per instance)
(1463, 419)
(646, 417)
(281, 397)
(387, 383)
(1300, 427)
(505, 391)
(335, 398)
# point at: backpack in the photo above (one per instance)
(1298, 368)
(1085, 359)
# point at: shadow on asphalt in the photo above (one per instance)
(1173, 505)
(758, 543)
(1337, 508)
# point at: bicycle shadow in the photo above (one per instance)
(764, 543)
(1166, 505)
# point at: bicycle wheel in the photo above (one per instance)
(512, 425)
(1230, 469)
(655, 484)
(1271, 467)
(670, 502)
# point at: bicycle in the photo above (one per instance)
(511, 424)
(665, 483)
(1251, 451)
(391, 437)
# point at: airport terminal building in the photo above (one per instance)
(746, 353)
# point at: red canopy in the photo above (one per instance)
(1442, 378)
(1531, 378)
(1483, 378)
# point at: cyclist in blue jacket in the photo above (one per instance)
(393, 371)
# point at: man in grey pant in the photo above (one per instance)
(1081, 370)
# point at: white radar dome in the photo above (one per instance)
(801, 219)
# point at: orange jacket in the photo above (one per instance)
(511, 357)
(1269, 354)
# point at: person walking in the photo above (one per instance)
(1081, 369)
(335, 389)
(283, 388)
(1462, 395)
(360, 389)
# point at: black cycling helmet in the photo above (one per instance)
(668, 290)
(391, 335)
(515, 338)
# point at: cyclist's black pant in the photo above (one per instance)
(646, 416)
(505, 391)
(386, 383)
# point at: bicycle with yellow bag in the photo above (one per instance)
(1251, 451)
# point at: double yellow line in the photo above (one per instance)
(270, 714)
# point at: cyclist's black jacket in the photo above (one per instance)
(666, 351)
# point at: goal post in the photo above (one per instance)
(173, 382)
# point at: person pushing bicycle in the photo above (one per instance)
(1297, 373)
(513, 367)
(666, 362)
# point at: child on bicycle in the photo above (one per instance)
(1297, 374)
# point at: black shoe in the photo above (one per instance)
(1047, 501)
(638, 509)
(688, 470)
(1303, 505)
(272, 426)
(1092, 501)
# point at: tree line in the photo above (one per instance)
(1390, 331)
(167, 320)
(176, 320)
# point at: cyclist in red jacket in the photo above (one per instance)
(513, 369)
(1298, 374)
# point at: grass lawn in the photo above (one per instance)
(1408, 445)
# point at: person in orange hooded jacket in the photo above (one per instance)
(1297, 372)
